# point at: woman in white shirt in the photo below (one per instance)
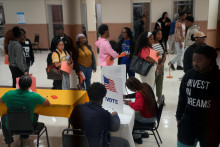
(159, 74)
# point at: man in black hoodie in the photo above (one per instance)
(199, 41)
(198, 110)
(139, 26)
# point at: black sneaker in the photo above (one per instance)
(179, 68)
(171, 66)
(138, 140)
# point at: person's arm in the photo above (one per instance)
(56, 60)
(46, 102)
(162, 63)
(138, 105)
(1, 100)
(115, 122)
(182, 102)
(149, 59)
(110, 51)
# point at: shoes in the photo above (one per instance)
(145, 135)
(138, 140)
(171, 66)
(179, 68)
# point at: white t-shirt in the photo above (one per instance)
(157, 47)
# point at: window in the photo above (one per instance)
(183, 6)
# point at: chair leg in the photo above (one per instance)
(48, 144)
(159, 136)
(155, 138)
(38, 138)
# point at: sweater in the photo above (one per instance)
(105, 50)
(16, 56)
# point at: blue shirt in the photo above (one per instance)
(126, 48)
(172, 27)
(96, 122)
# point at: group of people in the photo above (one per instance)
(198, 106)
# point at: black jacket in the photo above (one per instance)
(199, 100)
(93, 65)
(187, 59)
(118, 48)
(138, 28)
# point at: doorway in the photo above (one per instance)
(140, 9)
(55, 18)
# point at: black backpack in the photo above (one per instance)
(49, 57)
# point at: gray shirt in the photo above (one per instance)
(16, 56)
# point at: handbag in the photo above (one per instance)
(140, 66)
(53, 72)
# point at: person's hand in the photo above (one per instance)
(111, 58)
(25, 73)
(69, 62)
(127, 55)
(31, 63)
(114, 113)
(93, 70)
(158, 54)
(126, 102)
(178, 121)
(124, 96)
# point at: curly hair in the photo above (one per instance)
(96, 91)
(102, 28)
(142, 42)
(8, 37)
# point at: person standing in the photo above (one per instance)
(142, 49)
(159, 74)
(192, 28)
(126, 44)
(105, 49)
(85, 58)
(68, 45)
(163, 24)
(16, 56)
(57, 57)
(139, 26)
(188, 54)
(198, 111)
(27, 47)
(179, 42)
(171, 37)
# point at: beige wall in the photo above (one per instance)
(201, 10)
(34, 11)
(116, 11)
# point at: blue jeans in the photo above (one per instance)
(88, 74)
(179, 54)
(129, 72)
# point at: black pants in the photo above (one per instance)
(188, 134)
(57, 84)
(16, 72)
(8, 137)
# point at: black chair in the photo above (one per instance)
(35, 45)
(74, 138)
(20, 123)
(152, 126)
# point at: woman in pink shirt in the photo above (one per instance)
(105, 49)
(143, 46)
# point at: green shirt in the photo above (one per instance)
(21, 98)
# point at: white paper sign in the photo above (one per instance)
(117, 71)
(20, 18)
(114, 97)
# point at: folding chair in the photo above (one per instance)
(152, 126)
(35, 45)
(20, 123)
(74, 138)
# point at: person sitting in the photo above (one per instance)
(145, 105)
(96, 121)
(21, 98)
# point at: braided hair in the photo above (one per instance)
(25, 82)
(135, 85)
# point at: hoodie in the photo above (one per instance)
(105, 50)
(191, 30)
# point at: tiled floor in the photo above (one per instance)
(167, 129)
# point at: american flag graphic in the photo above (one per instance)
(109, 84)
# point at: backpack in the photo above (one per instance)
(49, 57)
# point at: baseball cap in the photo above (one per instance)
(199, 34)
